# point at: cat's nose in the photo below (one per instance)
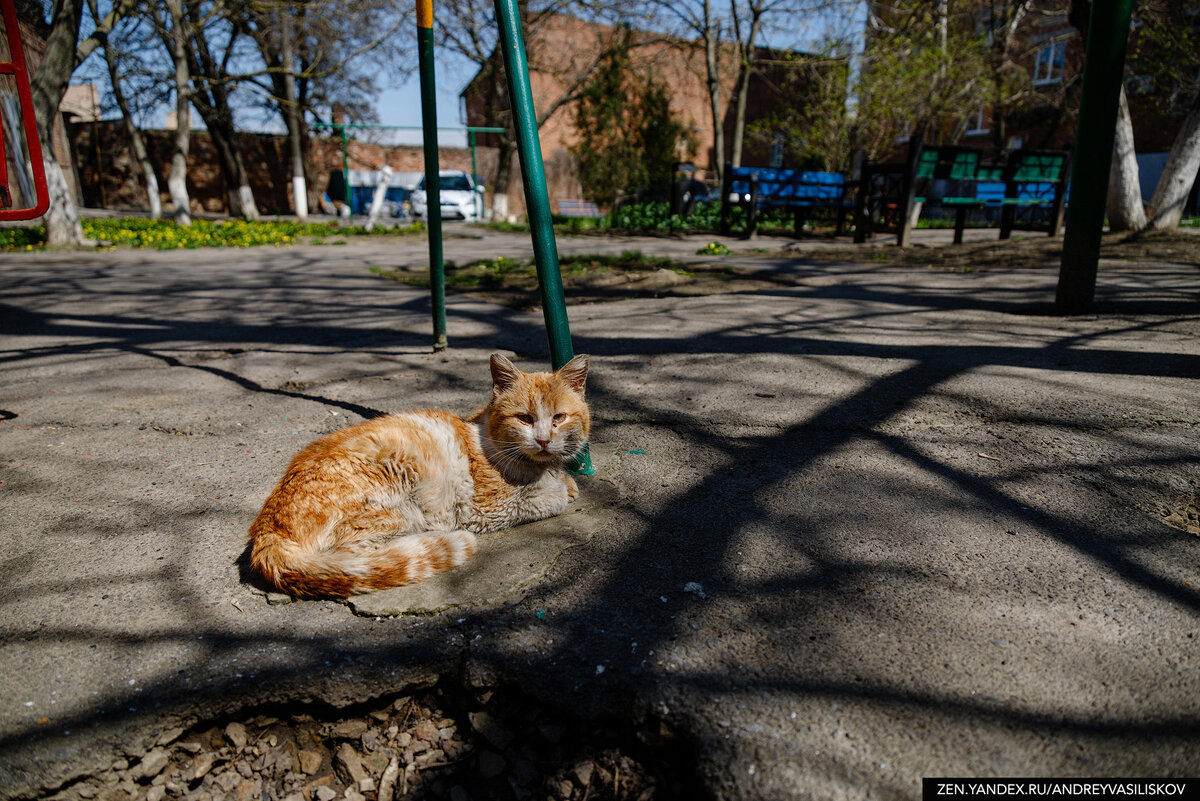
(544, 444)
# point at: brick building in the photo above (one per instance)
(561, 49)
(1048, 49)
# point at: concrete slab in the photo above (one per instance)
(882, 525)
(506, 563)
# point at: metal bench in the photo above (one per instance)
(1035, 180)
(801, 191)
(933, 175)
(570, 207)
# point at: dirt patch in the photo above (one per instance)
(590, 279)
(603, 278)
(437, 743)
(1030, 251)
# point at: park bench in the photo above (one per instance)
(932, 175)
(1035, 182)
(571, 207)
(761, 188)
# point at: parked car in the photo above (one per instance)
(461, 197)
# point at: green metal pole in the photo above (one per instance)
(537, 198)
(1108, 33)
(433, 195)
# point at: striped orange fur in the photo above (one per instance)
(396, 499)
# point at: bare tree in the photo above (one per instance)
(113, 60)
(64, 52)
(312, 51)
(468, 27)
(175, 35)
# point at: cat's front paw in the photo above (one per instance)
(572, 488)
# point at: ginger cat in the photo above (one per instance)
(396, 499)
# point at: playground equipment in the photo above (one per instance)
(533, 176)
(15, 67)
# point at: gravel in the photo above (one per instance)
(434, 744)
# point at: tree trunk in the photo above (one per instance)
(745, 70)
(1125, 209)
(712, 68)
(1179, 173)
(294, 118)
(135, 137)
(177, 178)
(48, 84)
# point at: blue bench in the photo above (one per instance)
(761, 188)
(569, 207)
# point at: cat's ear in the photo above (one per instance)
(504, 373)
(575, 372)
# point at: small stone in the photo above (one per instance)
(235, 733)
(371, 739)
(191, 746)
(169, 736)
(349, 729)
(425, 730)
(583, 773)
(351, 762)
(153, 763)
(366, 785)
(491, 729)
(491, 764)
(404, 739)
(561, 789)
(87, 790)
(227, 780)
(325, 793)
(248, 789)
(310, 761)
(156, 793)
(354, 795)
(202, 765)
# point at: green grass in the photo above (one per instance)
(136, 232)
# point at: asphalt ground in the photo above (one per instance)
(883, 525)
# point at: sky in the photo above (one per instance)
(402, 105)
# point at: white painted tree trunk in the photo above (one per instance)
(499, 206)
(152, 193)
(385, 175)
(241, 203)
(300, 197)
(63, 227)
(1166, 207)
(1125, 209)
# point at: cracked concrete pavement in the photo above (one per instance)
(884, 525)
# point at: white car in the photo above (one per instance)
(461, 197)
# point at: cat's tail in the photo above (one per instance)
(333, 573)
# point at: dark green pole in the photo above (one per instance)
(433, 195)
(537, 198)
(1103, 69)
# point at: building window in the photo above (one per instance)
(1048, 68)
(977, 123)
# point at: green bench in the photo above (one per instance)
(932, 175)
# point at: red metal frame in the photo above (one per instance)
(17, 69)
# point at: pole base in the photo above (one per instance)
(581, 465)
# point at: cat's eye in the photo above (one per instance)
(558, 418)
(527, 419)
